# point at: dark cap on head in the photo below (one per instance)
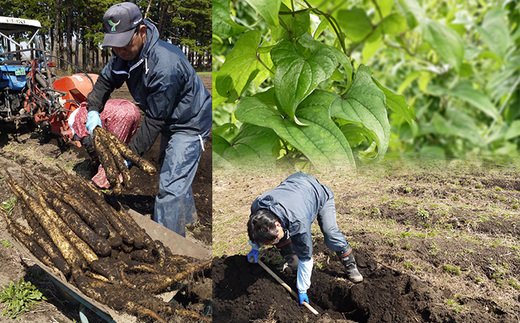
(120, 22)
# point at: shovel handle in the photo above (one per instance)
(289, 289)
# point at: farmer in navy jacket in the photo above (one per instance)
(175, 103)
(283, 217)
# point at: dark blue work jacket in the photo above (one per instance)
(296, 202)
(163, 84)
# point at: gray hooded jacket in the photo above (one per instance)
(164, 85)
(296, 202)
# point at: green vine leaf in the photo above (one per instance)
(479, 100)
(394, 24)
(267, 9)
(321, 141)
(222, 24)
(446, 43)
(495, 32)
(397, 104)
(293, 25)
(364, 104)
(457, 124)
(513, 131)
(241, 66)
(355, 23)
(300, 68)
(253, 144)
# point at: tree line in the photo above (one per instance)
(73, 29)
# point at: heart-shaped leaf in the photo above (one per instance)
(300, 67)
(241, 66)
(321, 141)
(364, 104)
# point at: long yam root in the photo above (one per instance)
(68, 251)
(27, 236)
(192, 269)
(143, 268)
(141, 238)
(36, 232)
(118, 158)
(104, 293)
(24, 237)
(141, 163)
(121, 280)
(143, 255)
(80, 182)
(73, 221)
(143, 311)
(109, 164)
(79, 244)
(100, 246)
(76, 241)
(159, 283)
(192, 315)
(99, 204)
(97, 223)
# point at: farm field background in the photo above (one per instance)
(436, 241)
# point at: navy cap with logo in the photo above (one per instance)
(120, 22)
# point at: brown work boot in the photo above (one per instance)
(351, 270)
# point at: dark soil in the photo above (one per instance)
(245, 292)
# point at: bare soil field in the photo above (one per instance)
(436, 242)
(28, 152)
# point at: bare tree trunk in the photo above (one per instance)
(163, 11)
(92, 55)
(97, 58)
(200, 60)
(56, 34)
(76, 49)
(69, 38)
(84, 57)
(52, 43)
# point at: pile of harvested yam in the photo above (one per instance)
(112, 154)
(69, 226)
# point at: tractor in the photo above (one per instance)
(31, 97)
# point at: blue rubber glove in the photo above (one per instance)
(93, 121)
(302, 297)
(252, 256)
(128, 163)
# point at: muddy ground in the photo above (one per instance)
(27, 151)
(435, 241)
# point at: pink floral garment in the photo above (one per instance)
(120, 117)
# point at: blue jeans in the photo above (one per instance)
(334, 239)
(174, 204)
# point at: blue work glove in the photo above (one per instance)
(128, 163)
(252, 256)
(93, 121)
(302, 297)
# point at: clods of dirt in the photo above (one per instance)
(244, 292)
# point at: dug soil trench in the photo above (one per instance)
(435, 242)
